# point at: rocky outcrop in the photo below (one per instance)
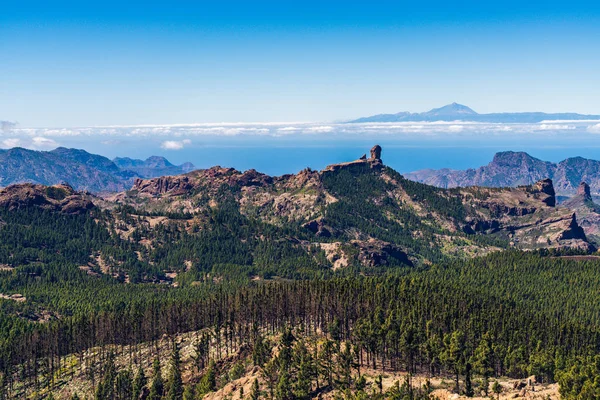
(572, 230)
(544, 190)
(527, 216)
(376, 152)
(377, 253)
(251, 178)
(373, 162)
(60, 198)
(172, 185)
(584, 190)
(320, 228)
(586, 210)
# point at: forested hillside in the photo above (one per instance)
(317, 284)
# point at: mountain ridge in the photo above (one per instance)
(79, 168)
(510, 169)
(375, 198)
(455, 112)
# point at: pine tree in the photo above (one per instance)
(497, 388)
(123, 385)
(157, 385)
(139, 383)
(283, 391)
(305, 371)
(453, 355)
(255, 391)
(260, 351)
(468, 384)
(483, 361)
(175, 381)
(189, 393)
(208, 382)
(106, 388)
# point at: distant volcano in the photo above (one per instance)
(459, 112)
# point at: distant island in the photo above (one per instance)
(459, 112)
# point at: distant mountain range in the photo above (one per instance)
(459, 112)
(80, 169)
(510, 169)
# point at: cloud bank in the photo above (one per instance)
(182, 136)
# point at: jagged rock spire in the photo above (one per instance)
(584, 190)
(376, 152)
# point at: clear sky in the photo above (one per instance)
(88, 63)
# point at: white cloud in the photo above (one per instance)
(40, 142)
(321, 129)
(12, 142)
(455, 128)
(594, 128)
(175, 144)
(555, 127)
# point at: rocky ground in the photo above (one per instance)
(73, 377)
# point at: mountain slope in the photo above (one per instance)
(518, 168)
(365, 213)
(355, 216)
(454, 111)
(80, 169)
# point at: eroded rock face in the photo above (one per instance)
(165, 184)
(572, 230)
(584, 190)
(545, 187)
(526, 215)
(376, 152)
(61, 198)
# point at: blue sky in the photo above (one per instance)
(68, 64)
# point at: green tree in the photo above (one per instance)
(189, 393)
(255, 391)
(483, 359)
(157, 386)
(260, 351)
(453, 355)
(123, 385)
(468, 384)
(175, 382)
(106, 388)
(139, 383)
(208, 382)
(497, 388)
(305, 370)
